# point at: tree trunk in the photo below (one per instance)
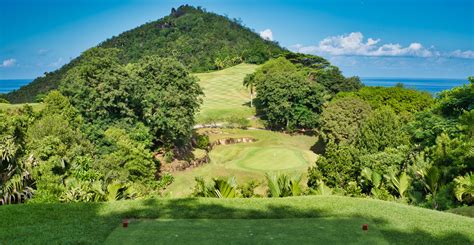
(251, 99)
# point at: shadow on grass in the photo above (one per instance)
(88, 223)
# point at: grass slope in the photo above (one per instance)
(272, 152)
(224, 93)
(306, 219)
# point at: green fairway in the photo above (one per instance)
(272, 152)
(323, 219)
(326, 230)
(224, 93)
(36, 106)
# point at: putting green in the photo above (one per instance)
(272, 152)
(327, 230)
(273, 159)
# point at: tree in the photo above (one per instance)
(168, 98)
(100, 87)
(339, 165)
(382, 129)
(128, 159)
(333, 80)
(158, 92)
(249, 84)
(16, 184)
(307, 60)
(286, 99)
(455, 101)
(342, 118)
(399, 99)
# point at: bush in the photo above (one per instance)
(248, 189)
(286, 98)
(217, 188)
(202, 141)
(169, 156)
(342, 118)
(339, 165)
(283, 185)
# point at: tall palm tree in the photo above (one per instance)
(249, 82)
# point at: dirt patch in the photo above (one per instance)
(229, 141)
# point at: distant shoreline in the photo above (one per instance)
(432, 85)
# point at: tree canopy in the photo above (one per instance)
(158, 92)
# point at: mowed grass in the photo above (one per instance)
(225, 95)
(36, 106)
(305, 220)
(326, 230)
(272, 152)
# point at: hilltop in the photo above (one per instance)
(201, 40)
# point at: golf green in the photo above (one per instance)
(273, 159)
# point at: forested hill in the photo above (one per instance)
(201, 40)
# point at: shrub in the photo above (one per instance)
(202, 141)
(169, 156)
(248, 189)
(342, 118)
(338, 166)
(217, 188)
(283, 185)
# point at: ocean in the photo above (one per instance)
(432, 85)
(7, 85)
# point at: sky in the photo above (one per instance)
(366, 38)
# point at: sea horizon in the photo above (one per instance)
(432, 85)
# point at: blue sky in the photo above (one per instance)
(368, 38)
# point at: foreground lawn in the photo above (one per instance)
(331, 219)
(224, 93)
(325, 230)
(272, 152)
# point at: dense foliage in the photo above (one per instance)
(409, 148)
(157, 92)
(341, 118)
(292, 89)
(199, 39)
(94, 140)
(401, 100)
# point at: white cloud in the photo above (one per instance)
(8, 63)
(468, 54)
(354, 44)
(267, 34)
